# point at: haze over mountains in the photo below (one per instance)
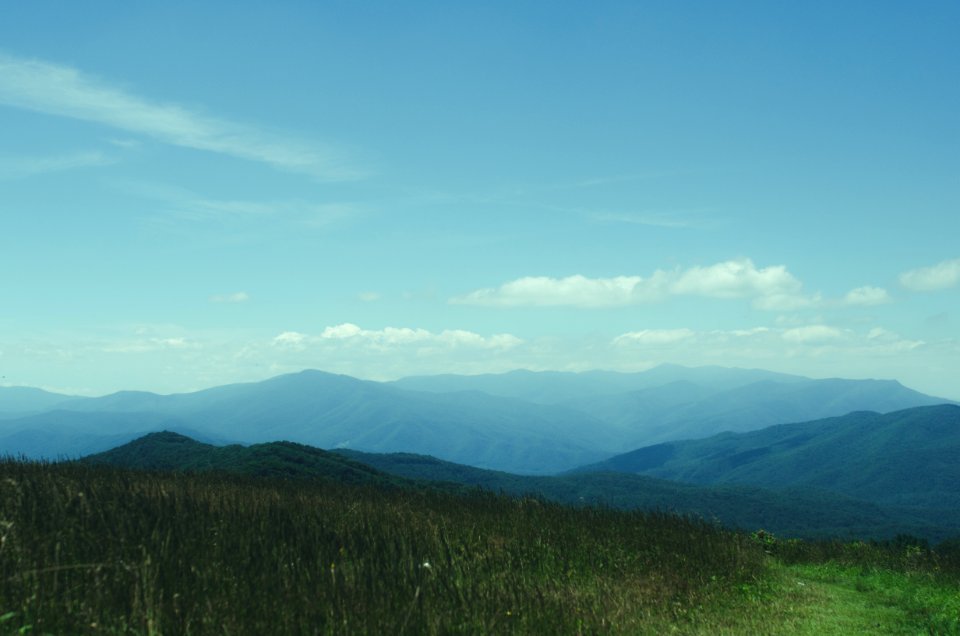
(520, 422)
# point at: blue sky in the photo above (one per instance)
(196, 195)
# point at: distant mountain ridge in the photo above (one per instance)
(327, 410)
(17, 401)
(521, 422)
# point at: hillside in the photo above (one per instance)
(95, 548)
(168, 451)
(799, 513)
(906, 458)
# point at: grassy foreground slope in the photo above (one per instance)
(96, 549)
(102, 550)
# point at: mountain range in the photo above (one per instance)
(521, 422)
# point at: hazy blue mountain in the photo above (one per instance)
(69, 434)
(671, 402)
(565, 420)
(327, 410)
(16, 401)
(556, 387)
(907, 458)
(686, 410)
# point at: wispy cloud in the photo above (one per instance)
(149, 345)
(943, 275)
(124, 143)
(67, 92)
(236, 297)
(771, 288)
(181, 204)
(22, 167)
(812, 334)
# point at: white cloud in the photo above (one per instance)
(237, 297)
(580, 291)
(399, 338)
(654, 336)
(736, 279)
(149, 345)
(66, 92)
(866, 296)
(340, 332)
(940, 276)
(289, 339)
(812, 334)
(771, 288)
(368, 296)
(22, 167)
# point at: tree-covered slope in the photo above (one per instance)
(168, 451)
(905, 458)
(791, 512)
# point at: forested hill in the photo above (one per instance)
(905, 458)
(167, 451)
(805, 513)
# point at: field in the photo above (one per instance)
(100, 550)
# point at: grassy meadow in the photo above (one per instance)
(101, 550)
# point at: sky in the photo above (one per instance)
(195, 194)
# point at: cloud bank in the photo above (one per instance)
(770, 288)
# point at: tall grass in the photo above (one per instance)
(100, 550)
